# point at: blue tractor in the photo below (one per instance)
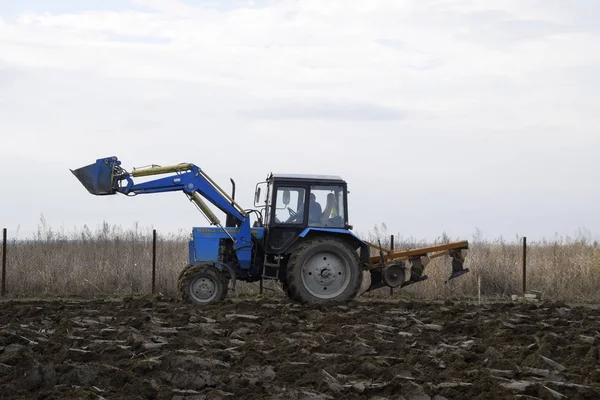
(300, 237)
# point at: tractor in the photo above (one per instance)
(301, 236)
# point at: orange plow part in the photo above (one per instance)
(402, 268)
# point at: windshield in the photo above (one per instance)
(289, 205)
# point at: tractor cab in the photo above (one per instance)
(295, 203)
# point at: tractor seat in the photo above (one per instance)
(326, 219)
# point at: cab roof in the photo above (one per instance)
(306, 177)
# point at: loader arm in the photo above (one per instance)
(106, 177)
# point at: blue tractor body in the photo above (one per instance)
(206, 244)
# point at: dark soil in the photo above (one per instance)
(276, 349)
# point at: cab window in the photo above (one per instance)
(326, 207)
(289, 205)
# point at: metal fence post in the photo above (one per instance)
(261, 287)
(3, 262)
(392, 248)
(153, 261)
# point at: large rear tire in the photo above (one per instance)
(201, 285)
(323, 270)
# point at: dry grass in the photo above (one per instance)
(111, 260)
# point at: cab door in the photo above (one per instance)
(288, 216)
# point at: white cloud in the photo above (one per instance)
(489, 107)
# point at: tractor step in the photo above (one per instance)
(273, 275)
(265, 275)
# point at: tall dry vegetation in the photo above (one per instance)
(111, 260)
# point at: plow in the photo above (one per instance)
(403, 268)
(300, 237)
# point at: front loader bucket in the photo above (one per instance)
(98, 178)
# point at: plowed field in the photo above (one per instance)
(275, 349)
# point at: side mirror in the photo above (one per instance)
(258, 201)
(257, 196)
(286, 197)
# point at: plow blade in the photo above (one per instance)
(408, 265)
(98, 178)
(458, 262)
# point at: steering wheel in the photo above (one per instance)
(293, 216)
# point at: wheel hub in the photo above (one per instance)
(325, 275)
(204, 289)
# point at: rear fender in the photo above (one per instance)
(345, 235)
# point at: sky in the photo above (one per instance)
(455, 116)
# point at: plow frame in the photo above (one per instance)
(402, 268)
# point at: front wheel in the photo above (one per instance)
(201, 285)
(323, 270)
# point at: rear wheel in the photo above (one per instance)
(323, 270)
(202, 285)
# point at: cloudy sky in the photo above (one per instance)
(443, 115)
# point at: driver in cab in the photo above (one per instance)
(314, 210)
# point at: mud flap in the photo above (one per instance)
(458, 261)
